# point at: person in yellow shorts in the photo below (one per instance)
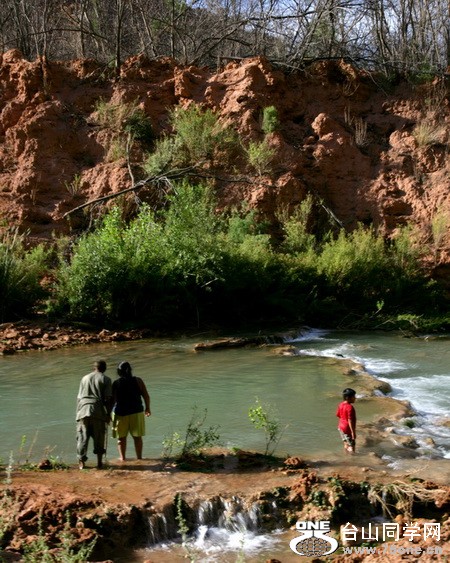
(128, 412)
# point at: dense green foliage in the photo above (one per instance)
(188, 265)
(197, 138)
(20, 272)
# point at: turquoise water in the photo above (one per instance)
(38, 390)
(418, 370)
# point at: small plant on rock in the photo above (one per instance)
(265, 417)
(427, 133)
(270, 121)
(196, 438)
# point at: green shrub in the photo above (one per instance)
(194, 440)
(165, 263)
(139, 126)
(197, 138)
(20, 274)
(260, 155)
(191, 229)
(166, 156)
(241, 223)
(112, 270)
(197, 131)
(357, 265)
(297, 239)
(189, 265)
(361, 270)
(407, 250)
(270, 121)
(117, 149)
(124, 120)
(266, 418)
(118, 116)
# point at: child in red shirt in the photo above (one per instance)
(347, 420)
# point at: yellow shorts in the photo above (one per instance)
(131, 423)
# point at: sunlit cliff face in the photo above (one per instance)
(370, 156)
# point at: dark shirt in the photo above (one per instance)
(127, 396)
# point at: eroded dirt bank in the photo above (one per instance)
(345, 136)
(123, 505)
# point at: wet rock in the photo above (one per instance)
(295, 463)
(405, 441)
(238, 342)
(286, 351)
(11, 334)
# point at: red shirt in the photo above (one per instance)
(346, 412)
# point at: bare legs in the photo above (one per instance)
(122, 445)
(138, 446)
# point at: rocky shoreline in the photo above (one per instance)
(132, 506)
(43, 335)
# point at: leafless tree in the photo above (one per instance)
(393, 35)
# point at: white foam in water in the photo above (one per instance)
(428, 394)
(212, 540)
(210, 544)
(335, 352)
(381, 366)
(310, 335)
(350, 351)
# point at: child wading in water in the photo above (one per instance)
(347, 420)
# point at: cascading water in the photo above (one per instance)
(218, 525)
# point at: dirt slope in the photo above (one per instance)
(345, 137)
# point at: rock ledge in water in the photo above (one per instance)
(239, 342)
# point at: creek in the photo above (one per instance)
(38, 392)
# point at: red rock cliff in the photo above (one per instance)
(343, 137)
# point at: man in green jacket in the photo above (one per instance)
(93, 413)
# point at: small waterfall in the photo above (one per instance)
(230, 515)
(229, 525)
(215, 524)
(163, 526)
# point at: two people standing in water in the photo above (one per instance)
(99, 401)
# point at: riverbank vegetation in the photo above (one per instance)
(186, 265)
